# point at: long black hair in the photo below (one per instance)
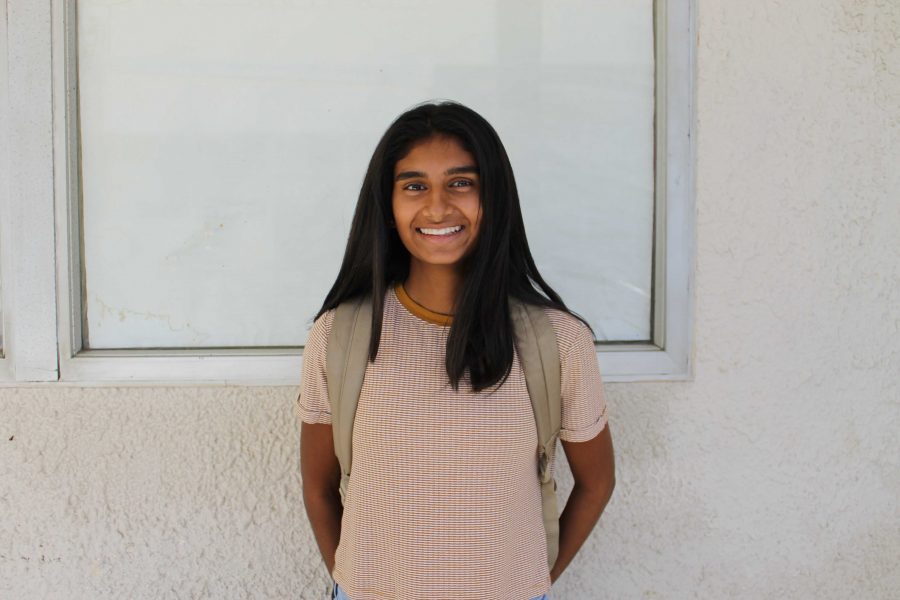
(499, 267)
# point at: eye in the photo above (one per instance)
(462, 182)
(415, 187)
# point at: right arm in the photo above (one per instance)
(319, 467)
(321, 475)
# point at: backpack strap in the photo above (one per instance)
(539, 355)
(345, 369)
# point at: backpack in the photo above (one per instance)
(347, 357)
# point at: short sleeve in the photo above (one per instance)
(583, 399)
(312, 403)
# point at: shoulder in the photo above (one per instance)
(323, 322)
(317, 342)
(570, 331)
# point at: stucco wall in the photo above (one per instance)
(774, 474)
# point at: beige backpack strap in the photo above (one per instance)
(539, 355)
(345, 368)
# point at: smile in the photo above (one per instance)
(440, 232)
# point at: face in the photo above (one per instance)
(437, 202)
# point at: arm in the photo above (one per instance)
(593, 468)
(321, 475)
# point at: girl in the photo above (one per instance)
(443, 499)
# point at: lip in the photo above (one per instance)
(441, 238)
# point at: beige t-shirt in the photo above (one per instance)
(443, 499)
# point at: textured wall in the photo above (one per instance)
(774, 474)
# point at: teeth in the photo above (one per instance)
(444, 231)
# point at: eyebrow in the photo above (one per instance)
(450, 171)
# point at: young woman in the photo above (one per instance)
(443, 500)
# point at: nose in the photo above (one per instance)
(437, 207)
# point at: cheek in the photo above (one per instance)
(402, 219)
(475, 215)
(398, 215)
(401, 223)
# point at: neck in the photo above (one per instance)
(434, 286)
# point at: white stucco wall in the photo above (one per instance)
(775, 473)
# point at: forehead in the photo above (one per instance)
(439, 150)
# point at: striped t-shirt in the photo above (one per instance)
(443, 499)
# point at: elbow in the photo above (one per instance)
(610, 488)
(598, 492)
(606, 491)
(318, 491)
(609, 480)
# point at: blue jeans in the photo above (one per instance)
(339, 594)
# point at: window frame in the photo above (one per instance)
(42, 286)
(6, 372)
(27, 265)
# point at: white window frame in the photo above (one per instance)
(26, 197)
(40, 262)
(6, 371)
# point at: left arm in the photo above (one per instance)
(593, 468)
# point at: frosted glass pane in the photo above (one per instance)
(223, 145)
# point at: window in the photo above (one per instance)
(208, 158)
